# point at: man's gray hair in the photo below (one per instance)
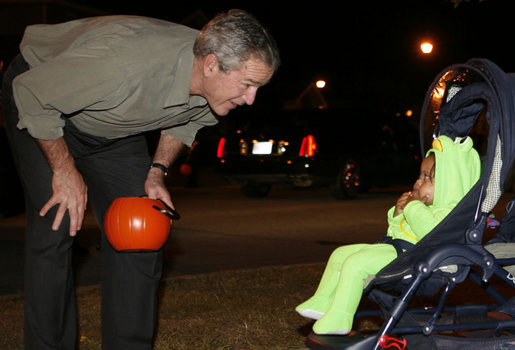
(234, 37)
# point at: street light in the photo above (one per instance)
(320, 84)
(311, 96)
(426, 47)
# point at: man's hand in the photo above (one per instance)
(167, 151)
(71, 194)
(68, 188)
(155, 187)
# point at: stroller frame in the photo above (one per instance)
(455, 100)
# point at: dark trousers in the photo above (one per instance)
(111, 169)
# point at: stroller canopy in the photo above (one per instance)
(460, 98)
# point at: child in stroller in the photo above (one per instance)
(448, 172)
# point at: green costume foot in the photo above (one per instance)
(313, 308)
(313, 314)
(335, 323)
(335, 332)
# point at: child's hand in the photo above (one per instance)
(404, 199)
(415, 195)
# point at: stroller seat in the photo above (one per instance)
(453, 252)
(503, 251)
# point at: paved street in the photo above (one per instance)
(220, 229)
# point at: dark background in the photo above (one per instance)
(367, 51)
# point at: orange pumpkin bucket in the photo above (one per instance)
(138, 224)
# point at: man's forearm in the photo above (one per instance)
(57, 154)
(168, 150)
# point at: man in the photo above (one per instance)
(78, 100)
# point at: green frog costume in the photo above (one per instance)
(457, 169)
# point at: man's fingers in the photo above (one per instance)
(58, 218)
(48, 205)
(76, 215)
(73, 222)
(168, 202)
(80, 218)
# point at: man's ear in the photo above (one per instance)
(210, 64)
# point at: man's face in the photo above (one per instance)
(227, 90)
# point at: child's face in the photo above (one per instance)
(423, 189)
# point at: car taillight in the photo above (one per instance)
(221, 148)
(308, 147)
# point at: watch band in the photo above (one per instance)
(160, 166)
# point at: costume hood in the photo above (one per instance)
(457, 169)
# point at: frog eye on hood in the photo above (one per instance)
(464, 143)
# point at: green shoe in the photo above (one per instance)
(313, 308)
(333, 323)
(308, 313)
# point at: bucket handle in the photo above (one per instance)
(171, 213)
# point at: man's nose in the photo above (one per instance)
(250, 95)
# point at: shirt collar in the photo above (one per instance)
(181, 79)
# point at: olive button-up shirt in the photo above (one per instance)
(113, 76)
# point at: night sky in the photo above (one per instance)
(367, 51)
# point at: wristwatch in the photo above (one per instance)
(159, 166)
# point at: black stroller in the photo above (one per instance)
(459, 100)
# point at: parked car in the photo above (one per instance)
(342, 149)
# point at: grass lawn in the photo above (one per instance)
(243, 309)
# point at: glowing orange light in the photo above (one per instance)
(426, 47)
(320, 84)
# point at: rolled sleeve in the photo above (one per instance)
(41, 123)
